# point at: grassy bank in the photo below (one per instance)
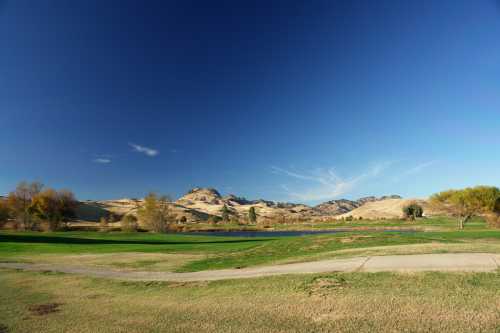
(350, 302)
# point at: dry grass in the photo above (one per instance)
(484, 246)
(382, 302)
(128, 261)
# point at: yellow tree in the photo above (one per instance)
(155, 213)
(54, 207)
(466, 203)
(20, 203)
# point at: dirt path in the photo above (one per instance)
(471, 262)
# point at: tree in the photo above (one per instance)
(129, 223)
(252, 216)
(55, 207)
(466, 203)
(225, 213)
(20, 203)
(413, 210)
(103, 223)
(4, 212)
(155, 213)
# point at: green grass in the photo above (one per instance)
(230, 252)
(347, 302)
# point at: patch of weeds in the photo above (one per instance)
(474, 281)
(144, 284)
(3, 328)
(188, 284)
(323, 285)
(44, 309)
(48, 272)
(95, 296)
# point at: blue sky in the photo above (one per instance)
(300, 101)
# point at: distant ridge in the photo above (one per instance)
(200, 204)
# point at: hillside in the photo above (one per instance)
(199, 204)
(385, 208)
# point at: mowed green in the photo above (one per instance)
(214, 252)
(344, 302)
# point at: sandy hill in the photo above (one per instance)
(385, 208)
(200, 204)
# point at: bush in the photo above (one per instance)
(412, 211)
(129, 223)
(214, 219)
(349, 218)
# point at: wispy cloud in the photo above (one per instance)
(325, 184)
(414, 170)
(102, 160)
(144, 150)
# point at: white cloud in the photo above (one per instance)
(102, 160)
(414, 170)
(326, 183)
(144, 150)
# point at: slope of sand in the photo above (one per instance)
(388, 208)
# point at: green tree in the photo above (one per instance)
(466, 203)
(225, 214)
(413, 210)
(155, 213)
(252, 216)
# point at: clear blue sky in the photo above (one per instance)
(286, 100)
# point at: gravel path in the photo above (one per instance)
(466, 262)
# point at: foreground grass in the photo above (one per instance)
(348, 302)
(193, 253)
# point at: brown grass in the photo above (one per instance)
(382, 302)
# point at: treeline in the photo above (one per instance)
(32, 205)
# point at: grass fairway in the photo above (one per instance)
(184, 253)
(349, 302)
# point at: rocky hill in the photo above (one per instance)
(200, 204)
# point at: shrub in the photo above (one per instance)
(214, 219)
(412, 211)
(129, 223)
(349, 218)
